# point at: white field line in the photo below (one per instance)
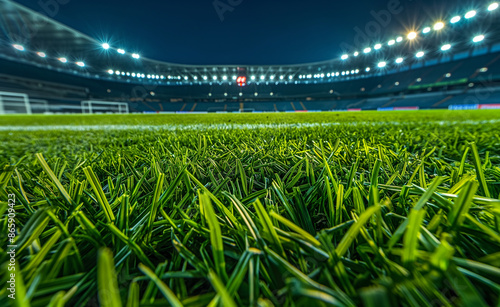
(204, 127)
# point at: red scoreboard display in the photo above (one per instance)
(242, 76)
(241, 81)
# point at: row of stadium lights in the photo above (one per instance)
(241, 94)
(44, 55)
(411, 36)
(106, 46)
(437, 27)
(65, 60)
(186, 78)
(383, 64)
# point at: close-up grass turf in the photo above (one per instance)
(326, 209)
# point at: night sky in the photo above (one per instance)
(251, 32)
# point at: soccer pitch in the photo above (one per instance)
(319, 209)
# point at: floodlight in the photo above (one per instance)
(105, 46)
(391, 42)
(367, 69)
(438, 26)
(399, 60)
(426, 30)
(41, 54)
(377, 46)
(345, 57)
(18, 47)
(493, 6)
(356, 53)
(63, 60)
(382, 64)
(136, 56)
(399, 39)
(420, 54)
(470, 14)
(446, 47)
(111, 72)
(121, 51)
(367, 50)
(412, 35)
(81, 64)
(455, 19)
(478, 39)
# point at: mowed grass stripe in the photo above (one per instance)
(298, 212)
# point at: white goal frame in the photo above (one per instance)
(92, 106)
(8, 99)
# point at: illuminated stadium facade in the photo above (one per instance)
(442, 57)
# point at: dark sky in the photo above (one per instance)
(251, 32)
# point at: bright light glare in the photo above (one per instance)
(382, 64)
(63, 60)
(136, 56)
(367, 50)
(105, 46)
(470, 14)
(391, 42)
(367, 69)
(426, 30)
(41, 54)
(121, 51)
(446, 47)
(377, 46)
(111, 72)
(356, 53)
(420, 54)
(81, 64)
(493, 6)
(399, 60)
(438, 26)
(345, 57)
(399, 39)
(478, 39)
(455, 19)
(18, 47)
(412, 35)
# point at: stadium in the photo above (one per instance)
(370, 178)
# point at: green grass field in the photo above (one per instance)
(321, 209)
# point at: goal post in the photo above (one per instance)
(98, 106)
(12, 103)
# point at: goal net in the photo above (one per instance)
(11, 103)
(96, 107)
